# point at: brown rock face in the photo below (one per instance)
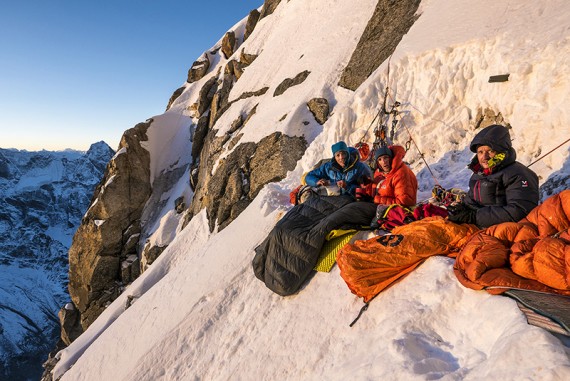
(199, 136)
(174, 96)
(198, 69)
(268, 8)
(319, 107)
(488, 117)
(242, 174)
(290, 82)
(220, 101)
(389, 23)
(252, 20)
(246, 59)
(69, 319)
(229, 44)
(97, 250)
(205, 96)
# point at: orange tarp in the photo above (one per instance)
(370, 266)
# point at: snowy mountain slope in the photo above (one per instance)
(199, 312)
(43, 196)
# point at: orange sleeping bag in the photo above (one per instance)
(533, 254)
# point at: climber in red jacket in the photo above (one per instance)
(393, 181)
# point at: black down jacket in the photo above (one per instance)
(288, 255)
(510, 192)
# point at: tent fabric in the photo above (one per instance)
(285, 259)
(532, 254)
(370, 266)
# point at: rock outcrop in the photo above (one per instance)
(319, 107)
(174, 96)
(252, 20)
(268, 8)
(487, 117)
(198, 69)
(389, 23)
(290, 82)
(229, 44)
(111, 221)
(240, 176)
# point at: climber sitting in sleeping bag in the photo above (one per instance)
(393, 188)
(500, 189)
(285, 259)
(393, 181)
(344, 170)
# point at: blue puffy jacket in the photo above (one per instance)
(352, 174)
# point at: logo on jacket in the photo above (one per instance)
(524, 183)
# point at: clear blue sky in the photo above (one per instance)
(76, 72)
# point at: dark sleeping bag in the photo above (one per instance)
(285, 259)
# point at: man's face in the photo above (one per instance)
(385, 163)
(484, 153)
(341, 157)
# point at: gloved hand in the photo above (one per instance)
(379, 217)
(462, 214)
(364, 180)
(362, 193)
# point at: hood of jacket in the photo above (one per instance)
(498, 138)
(397, 160)
(353, 158)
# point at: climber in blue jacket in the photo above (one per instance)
(344, 170)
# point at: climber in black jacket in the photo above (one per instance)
(500, 189)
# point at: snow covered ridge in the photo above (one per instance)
(199, 301)
(42, 198)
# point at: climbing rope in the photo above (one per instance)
(411, 140)
(549, 152)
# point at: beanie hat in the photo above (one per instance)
(383, 150)
(340, 146)
(496, 136)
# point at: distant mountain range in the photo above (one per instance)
(43, 196)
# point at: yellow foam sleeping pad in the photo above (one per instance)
(335, 240)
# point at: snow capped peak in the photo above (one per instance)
(43, 196)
